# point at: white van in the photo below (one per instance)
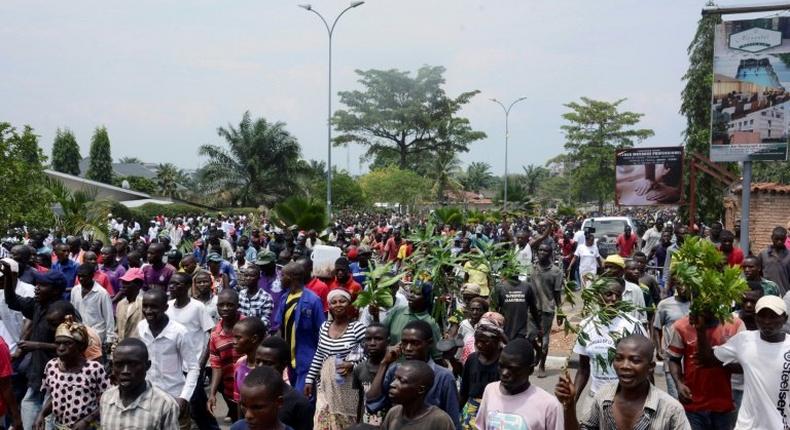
(606, 229)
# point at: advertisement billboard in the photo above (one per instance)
(649, 176)
(750, 110)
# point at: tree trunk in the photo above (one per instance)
(600, 205)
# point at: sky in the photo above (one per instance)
(162, 75)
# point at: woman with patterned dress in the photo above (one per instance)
(338, 346)
(73, 383)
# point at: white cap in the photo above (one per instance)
(774, 303)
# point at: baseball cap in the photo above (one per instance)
(774, 303)
(133, 274)
(54, 278)
(214, 257)
(615, 260)
(265, 257)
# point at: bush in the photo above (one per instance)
(150, 210)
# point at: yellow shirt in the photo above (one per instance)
(478, 275)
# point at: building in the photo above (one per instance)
(769, 207)
(768, 123)
(121, 170)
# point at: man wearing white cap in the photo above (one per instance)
(764, 356)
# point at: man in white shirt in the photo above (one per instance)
(652, 236)
(94, 304)
(193, 315)
(764, 355)
(171, 352)
(589, 259)
(11, 321)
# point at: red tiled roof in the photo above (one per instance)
(766, 187)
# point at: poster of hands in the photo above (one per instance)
(648, 176)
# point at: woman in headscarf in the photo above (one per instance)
(74, 384)
(338, 343)
(481, 366)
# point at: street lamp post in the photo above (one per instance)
(507, 135)
(330, 31)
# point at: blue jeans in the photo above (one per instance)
(710, 420)
(31, 406)
(672, 389)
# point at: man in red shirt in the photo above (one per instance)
(705, 392)
(734, 254)
(626, 242)
(344, 280)
(392, 246)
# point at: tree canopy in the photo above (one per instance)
(594, 130)
(394, 185)
(260, 164)
(66, 153)
(24, 200)
(404, 118)
(100, 166)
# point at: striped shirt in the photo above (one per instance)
(260, 305)
(152, 410)
(660, 412)
(222, 355)
(329, 347)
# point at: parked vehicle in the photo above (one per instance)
(606, 230)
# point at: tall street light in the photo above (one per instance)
(507, 134)
(330, 30)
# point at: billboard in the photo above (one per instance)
(649, 176)
(750, 107)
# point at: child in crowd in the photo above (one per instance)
(262, 398)
(376, 339)
(407, 392)
(247, 335)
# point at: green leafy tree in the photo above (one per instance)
(100, 166)
(404, 118)
(595, 129)
(346, 191)
(695, 106)
(477, 177)
(259, 166)
(66, 153)
(393, 185)
(24, 199)
(771, 171)
(136, 183)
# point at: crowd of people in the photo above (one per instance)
(150, 329)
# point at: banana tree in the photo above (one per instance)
(378, 281)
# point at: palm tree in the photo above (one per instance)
(477, 177)
(130, 160)
(79, 212)
(533, 176)
(296, 213)
(259, 166)
(445, 169)
(168, 178)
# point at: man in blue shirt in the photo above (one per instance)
(415, 344)
(66, 266)
(299, 318)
